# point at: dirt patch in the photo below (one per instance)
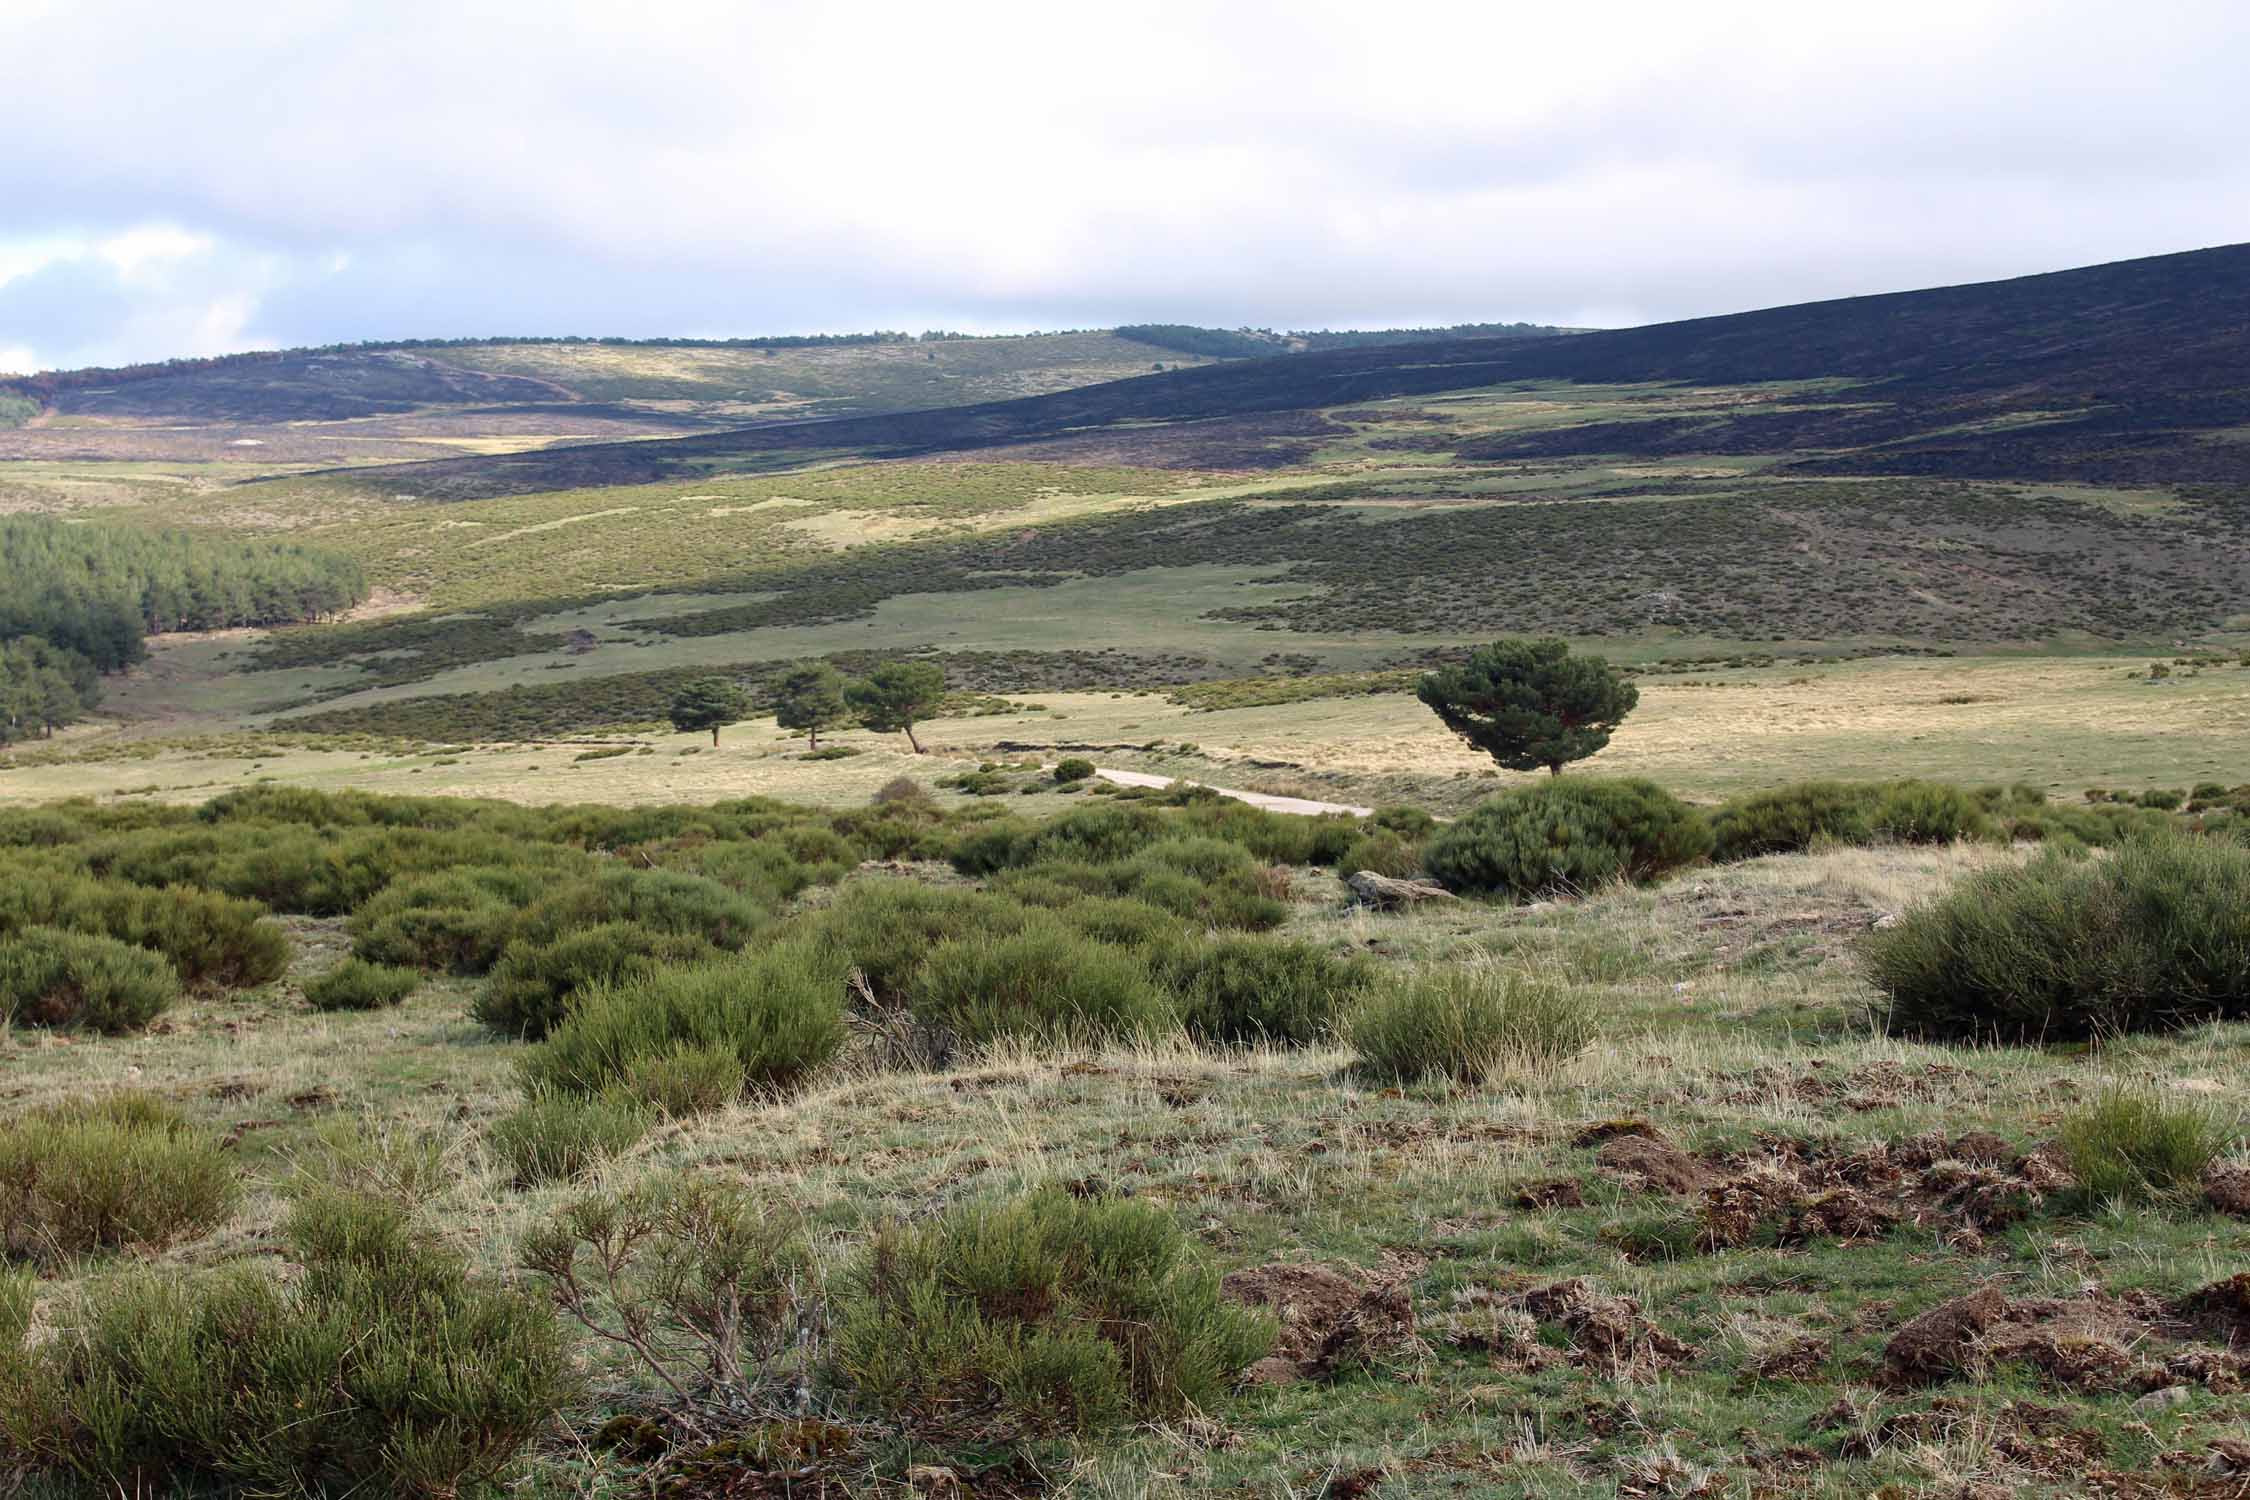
(1329, 1320)
(1789, 1192)
(2095, 1343)
(2227, 1189)
(1799, 1359)
(1651, 1162)
(1606, 1335)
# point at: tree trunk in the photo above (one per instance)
(1554, 768)
(814, 735)
(714, 736)
(917, 744)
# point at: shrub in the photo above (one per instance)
(1790, 819)
(531, 988)
(903, 789)
(1072, 768)
(885, 928)
(1045, 1314)
(2130, 1145)
(1098, 833)
(76, 981)
(992, 847)
(1568, 835)
(211, 941)
(1043, 982)
(383, 1370)
(780, 1012)
(123, 1172)
(687, 1079)
(701, 1281)
(2161, 799)
(356, 984)
(460, 920)
(1406, 822)
(661, 901)
(2152, 937)
(1466, 1024)
(1122, 920)
(1241, 989)
(554, 1137)
(1384, 853)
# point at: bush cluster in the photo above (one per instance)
(1466, 1024)
(122, 1172)
(1046, 1314)
(383, 1369)
(72, 981)
(1566, 835)
(2151, 937)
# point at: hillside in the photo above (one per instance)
(2125, 373)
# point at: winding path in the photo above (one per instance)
(1300, 805)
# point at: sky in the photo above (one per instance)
(185, 180)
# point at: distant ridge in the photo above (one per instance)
(2125, 372)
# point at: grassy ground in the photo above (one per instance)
(2059, 723)
(1732, 1032)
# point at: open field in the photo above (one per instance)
(1731, 1047)
(2062, 724)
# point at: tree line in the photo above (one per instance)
(77, 601)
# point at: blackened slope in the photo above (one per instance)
(2120, 352)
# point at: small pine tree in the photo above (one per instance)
(1529, 704)
(708, 703)
(812, 699)
(897, 695)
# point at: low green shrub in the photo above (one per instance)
(458, 921)
(211, 941)
(1566, 835)
(1121, 920)
(706, 1284)
(1043, 982)
(884, 929)
(1383, 852)
(779, 1011)
(2152, 937)
(1072, 768)
(1406, 822)
(554, 1137)
(688, 1078)
(531, 988)
(1244, 989)
(383, 1369)
(1047, 1314)
(74, 981)
(123, 1172)
(1791, 819)
(1466, 1024)
(2129, 1145)
(356, 984)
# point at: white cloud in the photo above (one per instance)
(425, 166)
(151, 249)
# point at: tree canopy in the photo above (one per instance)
(709, 703)
(1530, 703)
(896, 695)
(811, 698)
(97, 589)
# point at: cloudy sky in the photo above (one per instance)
(195, 179)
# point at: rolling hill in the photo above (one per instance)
(2133, 372)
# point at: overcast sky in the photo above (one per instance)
(187, 179)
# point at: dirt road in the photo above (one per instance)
(1266, 800)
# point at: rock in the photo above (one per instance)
(2163, 1400)
(1385, 894)
(1885, 921)
(1941, 1342)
